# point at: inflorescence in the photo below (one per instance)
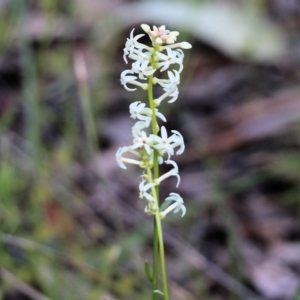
(148, 147)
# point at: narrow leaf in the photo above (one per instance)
(148, 271)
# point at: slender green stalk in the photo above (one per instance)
(159, 236)
(156, 174)
(155, 261)
(162, 256)
(155, 235)
(158, 243)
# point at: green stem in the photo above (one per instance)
(162, 256)
(155, 261)
(158, 243)
(159, 237)
(155, 235)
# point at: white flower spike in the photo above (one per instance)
(149, 148)
(151, 141)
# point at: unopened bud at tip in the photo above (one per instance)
(185, 45)
(145, 27)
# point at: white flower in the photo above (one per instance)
(172, 172)
(125, 79)
(141, 67)
(176, 206)
(169, 92)
(132, 44)
(138, 110)
(139, 126)
(141, 140)
(174, 80)
(143, 191)
(167, 144)
(137, 54)
(173, 94)
(177, 140)
(121, 160)
(169, 86)
(160, 115)
(119, 154)
(172, 57)
(163, 143)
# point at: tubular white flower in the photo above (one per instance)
(119, 154)
(177, 140)
(173, 93)
(170, 92)
(141, 67)
(139, 126)
(132, 43)
(167, 144)
(143, 191)
(125, 79)
(141, 140)
(137, 54)
(176, 206)
(163, 143)
(160, 115)
(172, 57)
(120, 159)
(173, 172)
(174, 79)
(138, 110)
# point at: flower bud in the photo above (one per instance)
(158, 41)
(185, 45)
(145, 27)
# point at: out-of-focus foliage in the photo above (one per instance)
(241, 31)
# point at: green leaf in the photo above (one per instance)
(148, 271)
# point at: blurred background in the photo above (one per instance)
(71, 224)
